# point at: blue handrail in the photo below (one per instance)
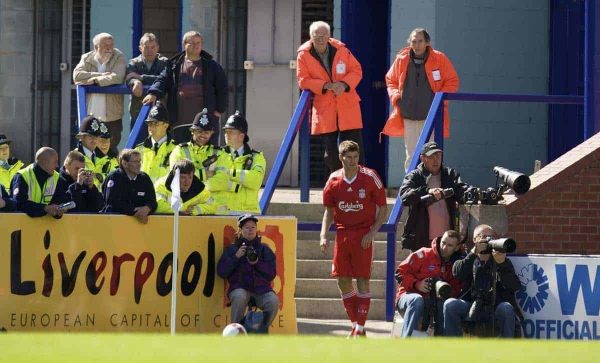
(298, 118)
(122, 89)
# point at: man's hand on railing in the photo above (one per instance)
(149, 99)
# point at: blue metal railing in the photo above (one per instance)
(122, 89)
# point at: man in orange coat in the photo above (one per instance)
(410, 95)
(328, 69)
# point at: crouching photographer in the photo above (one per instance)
(487, 305)
(249, 267)
(424, 280)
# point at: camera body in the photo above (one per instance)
(490, 196)
(251, 253)
(471, 196)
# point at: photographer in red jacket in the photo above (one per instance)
(417, 275)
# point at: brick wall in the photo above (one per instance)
(561, 212)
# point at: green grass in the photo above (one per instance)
(23, 347)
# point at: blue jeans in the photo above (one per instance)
(456, 310)
(413, 306)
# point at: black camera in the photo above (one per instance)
(504, 245)
(471, 196)
(441, 289)
(490, 196)
(430, 199)
(251, 254)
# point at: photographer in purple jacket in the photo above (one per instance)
(249, 267)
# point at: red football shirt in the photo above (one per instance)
(354, 203)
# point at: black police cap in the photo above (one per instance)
(158, 112)
(104, 133)
(202, 121)
(238, 122)
(4, 139)
(90, 125)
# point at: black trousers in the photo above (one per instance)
(332, 141)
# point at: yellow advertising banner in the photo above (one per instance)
(111, 273)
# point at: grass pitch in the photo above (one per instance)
(23, 347)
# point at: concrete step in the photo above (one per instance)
(330, 308)
(341, 327)
(320, 269)
(310, 250)
(327, 288)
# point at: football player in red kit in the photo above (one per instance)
(354, 198)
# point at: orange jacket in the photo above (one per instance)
(447, 82)
(328, 108)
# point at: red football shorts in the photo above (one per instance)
(349, 258)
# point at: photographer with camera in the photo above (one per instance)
(487, 300)
(249, 267)
(427, 218)
(80, 181)
(420, 282)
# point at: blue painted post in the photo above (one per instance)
(591, 103)
(81, 104)
(137, 25)
(439, 124)
(139, 122)
(304, 151)
(390, 290)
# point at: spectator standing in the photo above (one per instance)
(328, 69)
(142, 71)
(103, 66)
(417, 73)
(193, 81)
(354, 197)
(427, 221)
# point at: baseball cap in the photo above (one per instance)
(430, 148)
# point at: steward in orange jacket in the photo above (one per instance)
(441, 76)
(330, 112)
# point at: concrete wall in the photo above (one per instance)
(491, 51)
(16, 62)
(271, 88)
(203, 16)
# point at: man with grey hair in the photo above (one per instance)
(194, 81)
(103, 66)
(328, 69)
(142, 71)
(38, 188)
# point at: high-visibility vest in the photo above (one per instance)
(35, 193)
(6, 175)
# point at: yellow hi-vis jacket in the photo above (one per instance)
(156, 165)
(6, 175)
(208, 159)
(245, 179)
(200, 203)
(36, 193)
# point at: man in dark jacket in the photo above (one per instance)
(80, 181)
(193, 81)
(427, 220)
(490, 283)
(128, 190)
(249, 267)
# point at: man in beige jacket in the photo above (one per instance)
(103, 66)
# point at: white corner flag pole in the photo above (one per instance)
(176, 205)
